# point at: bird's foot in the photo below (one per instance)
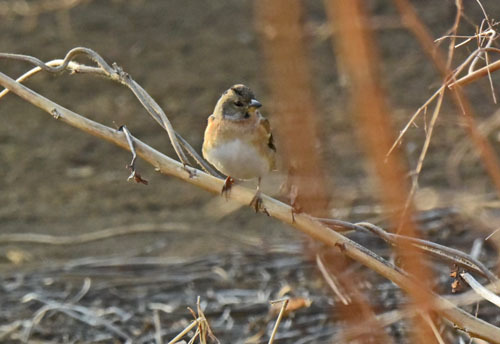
(256, 203)
(228, 183)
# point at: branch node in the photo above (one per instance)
(55, 113)
(342, 246)
(191, 171)
(134, 175)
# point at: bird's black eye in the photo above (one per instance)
(238, 103)
(247, 115)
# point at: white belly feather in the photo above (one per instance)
(238, 159)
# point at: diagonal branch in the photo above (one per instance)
(473, 326)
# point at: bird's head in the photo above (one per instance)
(237, 103)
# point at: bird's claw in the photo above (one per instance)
(228, 183)
(256, 203)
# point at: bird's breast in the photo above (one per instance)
(238, 158)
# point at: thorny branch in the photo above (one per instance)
(303, 222)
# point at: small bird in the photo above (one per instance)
(238, 139)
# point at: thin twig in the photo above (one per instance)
(157, 323)
(430, 127)
(330, 280)
(450, 83)
(205, 329)
(463, 148)
(480, 289)
(413, 118)
(203, 325)
(278, 321)
(476, 75)
(185, 331)
(484, 12)
(87, 282)
(420, 162)
(196, 335)
(432, 325)
(412, 21)
(492, 87)
(46, 239)
(134, 175)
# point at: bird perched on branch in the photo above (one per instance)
(238, 139)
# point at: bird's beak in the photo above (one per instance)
(255, 104)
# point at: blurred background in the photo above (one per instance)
(57, 180)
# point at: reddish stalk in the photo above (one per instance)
(295, 115)
(282, 38)
(354, 46)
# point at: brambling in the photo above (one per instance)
(238, 140)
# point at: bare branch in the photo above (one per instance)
(303, 222)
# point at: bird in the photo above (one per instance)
(238, 140)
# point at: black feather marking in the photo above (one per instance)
(238, 91)
(270, 143)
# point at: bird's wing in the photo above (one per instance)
(264, 123)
